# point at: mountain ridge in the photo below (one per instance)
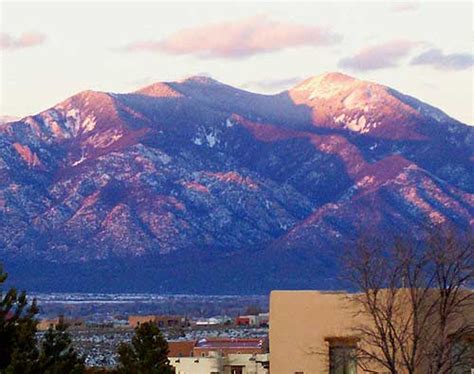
(197, 166)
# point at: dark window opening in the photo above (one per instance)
(342, 355)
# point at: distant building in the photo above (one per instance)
(217, 364)
(259, 320)
(112, 323)
(45, 324)
(181, 348)
(220, 356)
(306, 325)
(198, 365)
(246, 320)
(226, 346)
(135, 321)
(317, 330)
(263, 319)
(163, 322)
(213, 321)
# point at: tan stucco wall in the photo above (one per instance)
(300, 321)
(45, 324)
(135, 321)
(197, 365)
(251, 363)
(219, 364)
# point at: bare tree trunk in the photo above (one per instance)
(417, 301)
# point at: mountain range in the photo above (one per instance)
(199, 187)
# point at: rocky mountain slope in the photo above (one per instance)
(197, 169)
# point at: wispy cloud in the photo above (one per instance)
(379, 56)
(436, 58)
(28, 39)
(272, 85)
(239, 39)
(405, 6)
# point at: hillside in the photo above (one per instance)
(197, 186)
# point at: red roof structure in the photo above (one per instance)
(181, 348)
(227, 346)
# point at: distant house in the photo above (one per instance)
(45, 324)
(213, 321)
(246, 320)
(163, 322)
(220, 356)
(259, 320)
(217, 364)
(181, 348)
(135, 321)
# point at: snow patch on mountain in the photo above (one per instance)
(89, 123)
(229, 123)
(361, 98)
(358, 125)
(206, 136)
(340, 118)
(326, 86)
(105, 139)
(72, 113)
(211, 139)
(81, 160)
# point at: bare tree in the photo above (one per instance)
(452, 307)
(416, 301)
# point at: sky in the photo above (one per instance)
(52, 50)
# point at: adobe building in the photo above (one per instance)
(161, 321)
(72, 323)
(181, 348)
(220, 356)
(259, 320)
(314, 332)
(215, 363)
(305, 325)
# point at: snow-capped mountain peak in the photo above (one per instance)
(325, 86)
(218, 170)
(330, 86)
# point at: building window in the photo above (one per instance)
(236, 370)
(463, 356)
(342, 355)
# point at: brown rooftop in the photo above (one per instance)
(181, 348)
